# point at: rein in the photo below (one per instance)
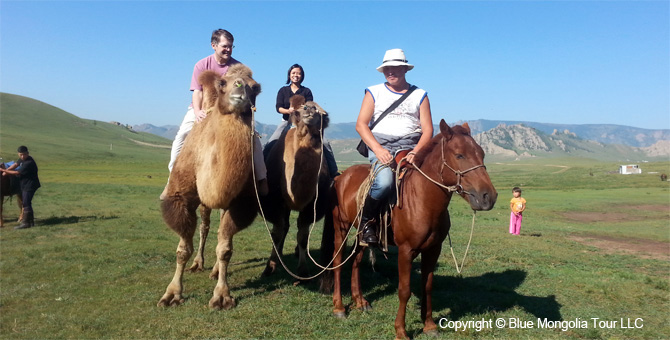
(274, 246)
(457, 188)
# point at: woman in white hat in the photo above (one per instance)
(408, 126)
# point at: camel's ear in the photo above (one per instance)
(297, 101)
(445, 130)
(466, 127)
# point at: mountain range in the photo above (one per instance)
(60, 135)
(518, 138)
(602, 133)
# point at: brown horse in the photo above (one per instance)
(420, 222)
(6, 190)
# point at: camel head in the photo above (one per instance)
(308, 113)
(235, 92)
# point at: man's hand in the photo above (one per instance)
(200, 115)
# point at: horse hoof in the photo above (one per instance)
(431, 333)
(340, 315)
(365, 308)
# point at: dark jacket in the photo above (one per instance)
(28, 174)
(284, 97)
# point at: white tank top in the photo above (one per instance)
(404, 119)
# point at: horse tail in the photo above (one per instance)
(179, 213)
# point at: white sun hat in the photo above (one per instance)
(394, 57)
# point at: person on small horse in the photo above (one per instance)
(407, 127)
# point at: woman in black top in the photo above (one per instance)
(27, 173)
(295, 77)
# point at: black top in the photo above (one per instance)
(28, 174)
(284, 96)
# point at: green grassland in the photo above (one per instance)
(100, 256)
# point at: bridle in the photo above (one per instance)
(457, 188)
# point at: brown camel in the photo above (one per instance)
(214, 170)
(6, 190)
(295, 167)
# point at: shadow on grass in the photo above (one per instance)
(55, 220)
(490, 292)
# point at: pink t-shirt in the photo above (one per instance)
(209, 63)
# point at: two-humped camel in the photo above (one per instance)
(214, 169)
(295, 167)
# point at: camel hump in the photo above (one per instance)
(297, 101)
(208, 80)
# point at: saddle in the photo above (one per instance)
(384, 231)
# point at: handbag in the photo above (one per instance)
(362, 147)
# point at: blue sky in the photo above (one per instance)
(566, 62)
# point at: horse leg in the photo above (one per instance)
(428, 260)
(279, 231)
(356, 290)
(404, 271)
(19, 201)
(338, 307)
(199, 260)
(2, 220)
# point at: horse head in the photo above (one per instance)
(308, 113)
(462, 166)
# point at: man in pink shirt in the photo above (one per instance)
(219, 62)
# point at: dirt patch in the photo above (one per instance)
(646, 249)
(591, 216)
(152, 145)
(595, 216)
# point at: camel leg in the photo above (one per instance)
(173, 292)
(221, 298)
(238, 217)
(279, 231)
(428, 259)
(179, 215)
(199, 260)
(404, 271)
(356, 290)
(305, 220)
(338, 307)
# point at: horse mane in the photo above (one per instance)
(455, 130)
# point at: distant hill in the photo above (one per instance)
(602, 133)
(520, 141)
(52, 134)
(58, 135)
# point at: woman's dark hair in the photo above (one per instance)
(288, 76)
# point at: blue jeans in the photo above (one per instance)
(383, 183)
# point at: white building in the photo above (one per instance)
(630, 169)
